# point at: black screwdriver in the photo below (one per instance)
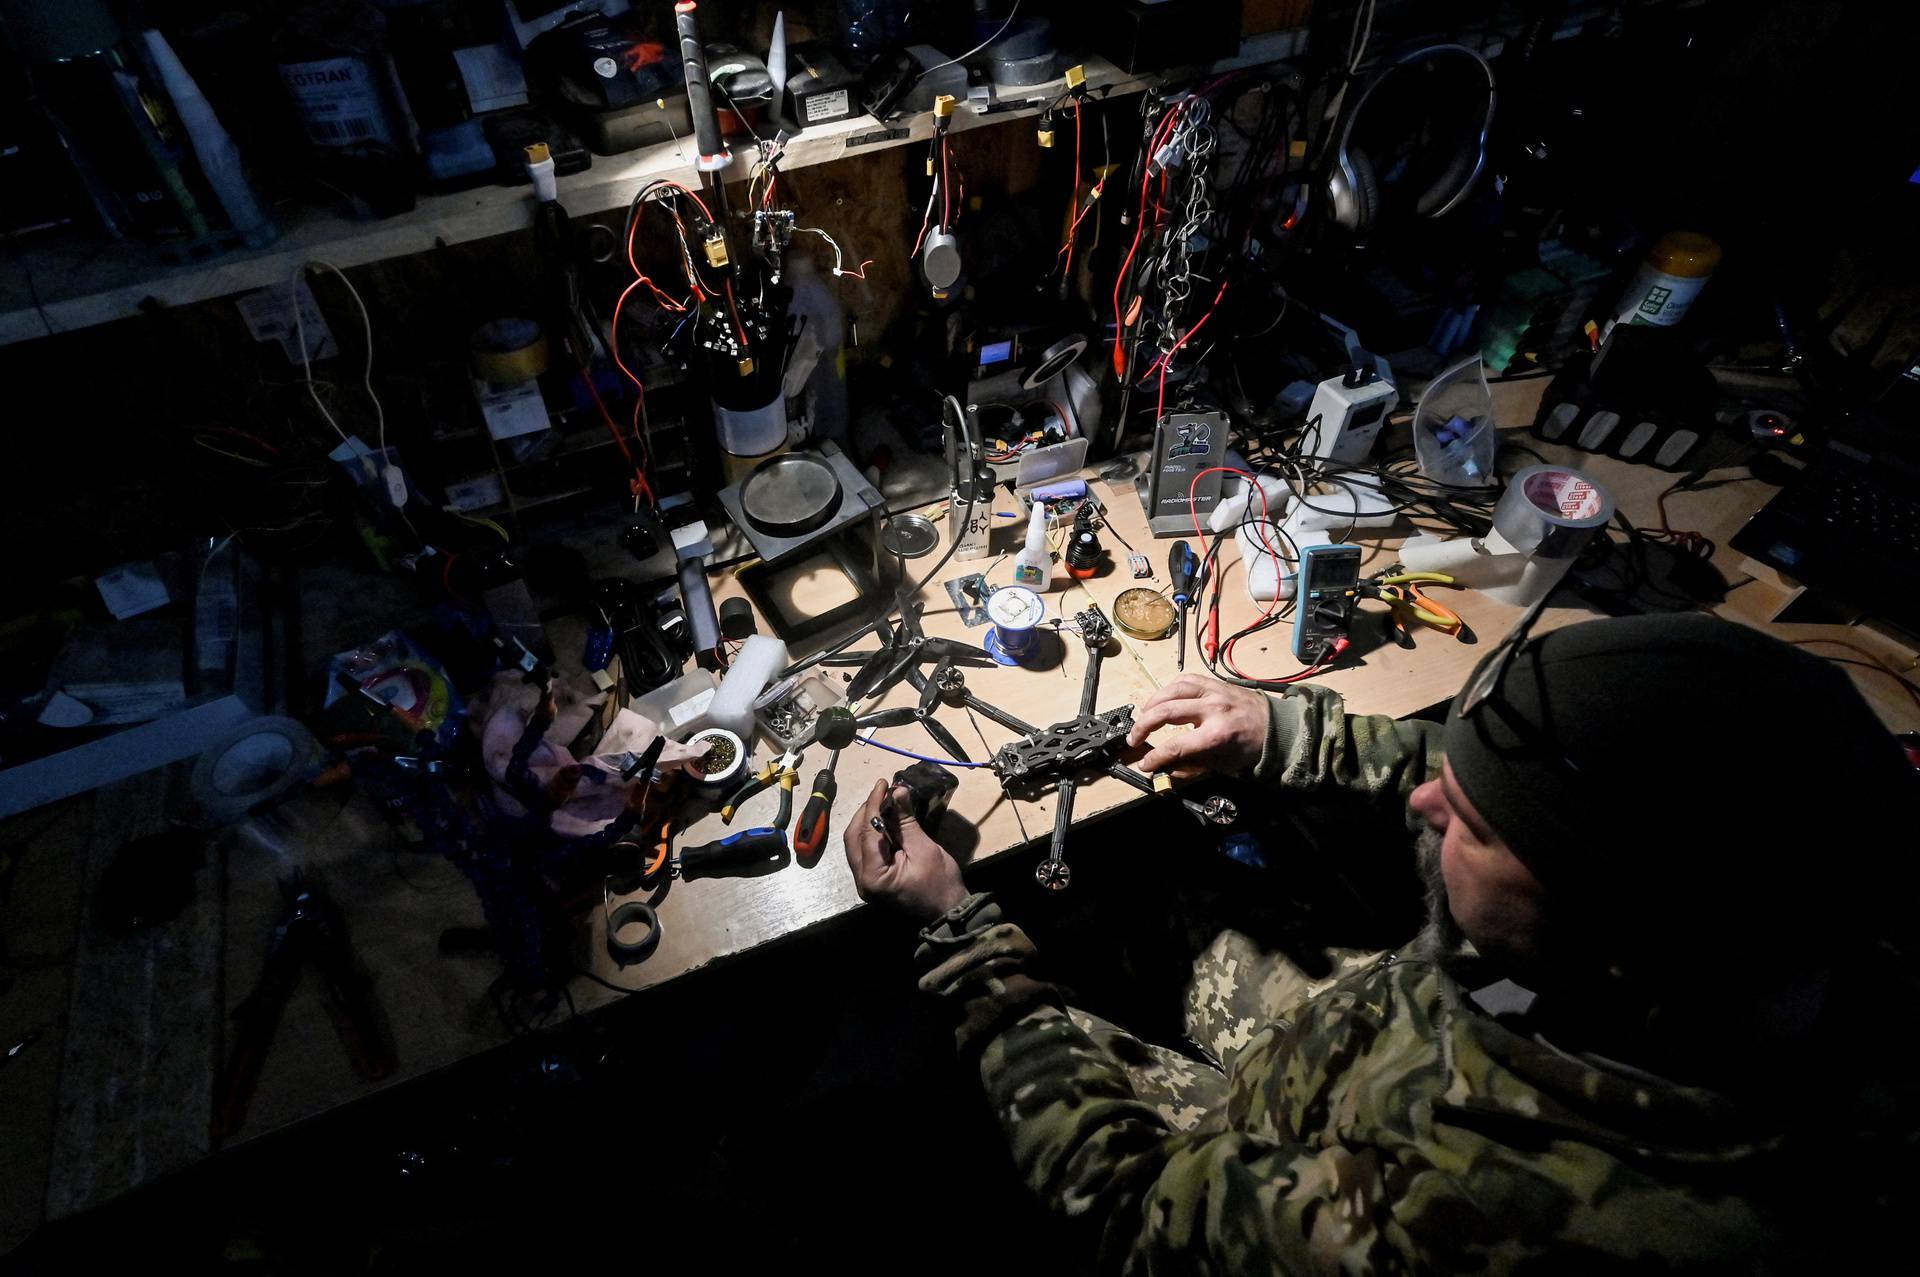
(1182, 563)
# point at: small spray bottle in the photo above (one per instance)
(1033, 566)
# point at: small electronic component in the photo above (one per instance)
(1141, 565)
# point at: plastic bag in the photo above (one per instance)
(1453, 435)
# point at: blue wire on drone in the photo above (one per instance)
(944, 762)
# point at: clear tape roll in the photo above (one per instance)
(254, 764)
(1542, 522)
(1550, 512)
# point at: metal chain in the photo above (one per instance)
(1174, 270)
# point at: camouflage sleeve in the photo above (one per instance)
(1315, 748)
(1149, 1200)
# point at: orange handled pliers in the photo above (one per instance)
(1411, 605)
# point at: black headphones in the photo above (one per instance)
(1353, 186)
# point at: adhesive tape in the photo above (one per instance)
(632, 913)
(506, 352)
(1543, 521)
(256, 763)
(1550, 512)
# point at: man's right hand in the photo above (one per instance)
(1229, 726)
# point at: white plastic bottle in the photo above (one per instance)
(1033, 566)
(212, 146)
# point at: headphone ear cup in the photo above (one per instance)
(1453, 183)
(1366, 191)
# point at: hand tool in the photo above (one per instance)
(310, 930)
(811, 834)
(1401, 591)
(1182, 563)
(785, 771)
(748, 847)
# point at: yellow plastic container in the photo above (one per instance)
(1671, 276)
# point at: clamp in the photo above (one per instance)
(785, 771)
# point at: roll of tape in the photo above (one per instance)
(1550, 512)
(506, 352)
(627, 952)
(1545, 518)
(256, 763)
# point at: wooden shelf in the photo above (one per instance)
(83, 281)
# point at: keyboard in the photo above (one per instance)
(1849, 499)
(1849, 530)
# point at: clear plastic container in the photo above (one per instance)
(681, 707)
(1454, 439)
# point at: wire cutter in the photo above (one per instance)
(1410, 603)
(784, 771)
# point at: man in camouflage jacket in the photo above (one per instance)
(1530, 1084)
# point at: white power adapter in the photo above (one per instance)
(1346, 414)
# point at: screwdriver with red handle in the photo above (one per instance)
(810, 834)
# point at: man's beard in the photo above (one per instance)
(1441, 940)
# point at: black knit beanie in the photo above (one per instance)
(1684, 772)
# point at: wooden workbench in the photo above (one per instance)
(439, 1007)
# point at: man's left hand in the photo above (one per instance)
(907, 869)
(1229, 727)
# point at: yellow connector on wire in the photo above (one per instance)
(1076, 77)
(1046, 130)
(943, 106)
(717, 251)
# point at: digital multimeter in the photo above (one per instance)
(1324, 601)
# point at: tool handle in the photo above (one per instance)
(1181, 562)
(753, 786)
(750, 846)
(811, 833)
(693, 57)
(784, 816)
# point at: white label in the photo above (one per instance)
(1659, 299)
(338, 101)
(492, 76)
(511, 411)
(269, 317)
(688, 710)
(826, 106)
(131, 589)
(476, 493)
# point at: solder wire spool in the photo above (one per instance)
(1015, 613)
